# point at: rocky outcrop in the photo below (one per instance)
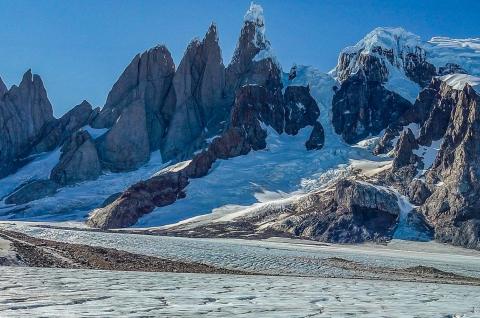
(58, 131)
(431, 113)
(349, 212)
(451, 68)
(418, 192)
(253, 61)
(363, 107)
(301, 110)
(79, 160)
(439, 99)
(125, 146)
(346, 212)
(403, 153)
(453, 207)
(417, 68)
(141, 198)
(24, 112)
(384, 49)
(31, 191)
(146, 82)
(201, 105)
(317, 138)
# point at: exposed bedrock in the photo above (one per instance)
(453, 208)
(362, 108)
(253, 106)
(24, 112)
(125, 146)
(78, 162)
(147, 81)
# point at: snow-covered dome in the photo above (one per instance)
(396, 39)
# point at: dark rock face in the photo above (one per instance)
(317, 138)
(404, 155)
(243, 69)
(32, 191)
(79, 160)
(418, 192)
(60, 130)
(439, 99)
(451, 68)
(362, 107)
(125, 146)
(453, 207)
(147, 81)
(301, 110)
(349, 212)
(417, 68)
(201, 106)
(431, 111)
(413, 62)
(24, 112)
(139, 199)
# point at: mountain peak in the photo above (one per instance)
(255, 14)
(394, 38)
(3, 88)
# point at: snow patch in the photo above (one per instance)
(39, 168)
(428, 155)
(458, 81)
(95, 132)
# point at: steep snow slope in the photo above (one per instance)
(283, 170)
(73, 202)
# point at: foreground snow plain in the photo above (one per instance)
(86, 293)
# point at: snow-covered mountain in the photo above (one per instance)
(351, 155)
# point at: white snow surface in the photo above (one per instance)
(87, 293)
(464, 52)
(71, 202)
(397, 39)
(39, 168)
(458, 81)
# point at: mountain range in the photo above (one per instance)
(385, 145)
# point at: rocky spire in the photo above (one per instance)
(253, 61)
(24, 111)
(199, 85)
(3, 88)
(148, 80)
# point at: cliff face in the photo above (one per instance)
(201, 106)
(363, 107)
(147, 81)
(24, 112)
(453, 207)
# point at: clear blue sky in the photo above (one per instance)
(81, 47)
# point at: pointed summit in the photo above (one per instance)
(3, 88)
(199, 85)
(254, 16)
